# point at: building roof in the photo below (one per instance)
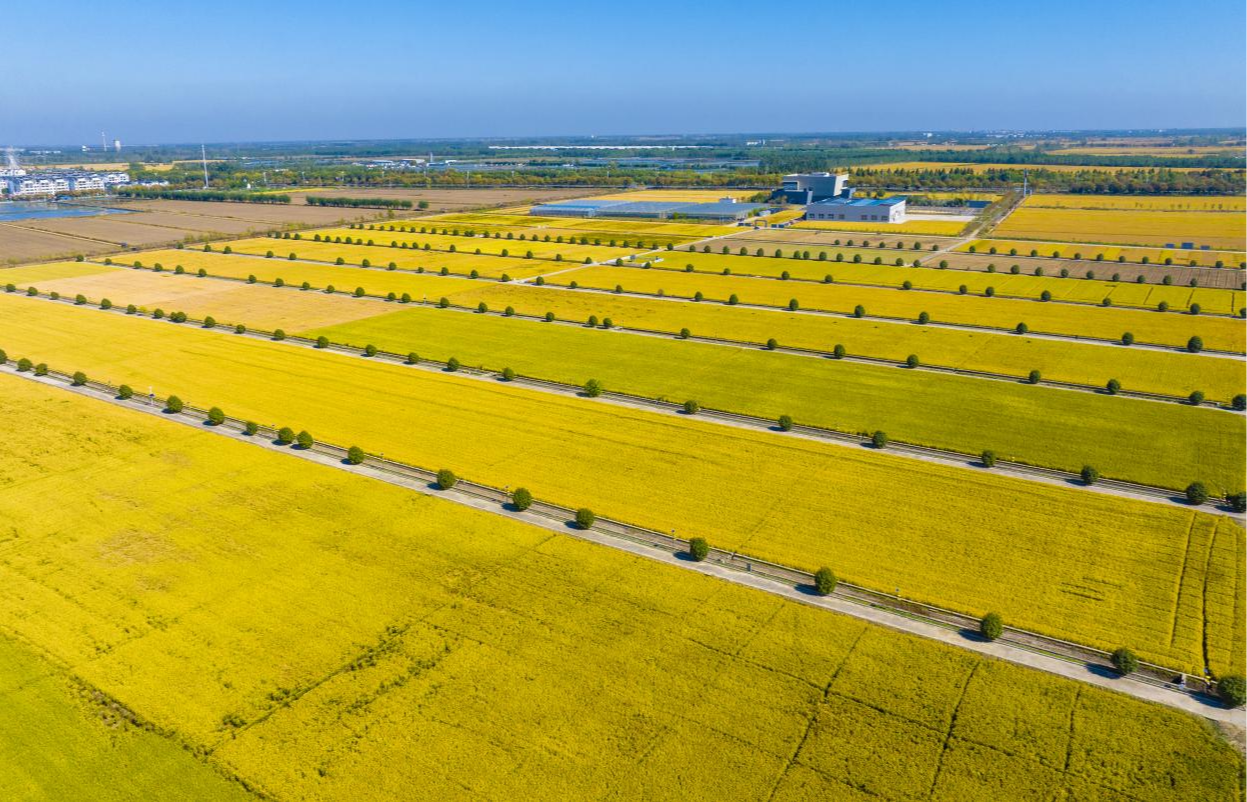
(579, 205)
(717, 208)
(892, 201)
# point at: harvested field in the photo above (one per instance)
(1129, 556)
(20, 244)
(1129, 272)
(265, 215)
(456, 649)
(118, 230)
(1170, 328)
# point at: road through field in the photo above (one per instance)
(1002, 649)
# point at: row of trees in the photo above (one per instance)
(227, 196)
(367, 203)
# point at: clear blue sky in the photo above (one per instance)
(229, 71)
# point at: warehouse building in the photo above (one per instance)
(861, 210)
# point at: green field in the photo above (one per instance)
(1093, 568)
(1168, 328)
(1037, 425)
(324, 636)
(62, 740)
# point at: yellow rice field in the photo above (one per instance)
(382, 256)
(1073, 319)
(707, 481)
(1111, 253)
(496, 246)
(454, 651)
(1217, 230)
(1154, 203)
(935, 228)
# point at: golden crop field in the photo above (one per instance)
(929, 277)
(264, 307)
(966, 349)
(343, 278)
(938, 228)
(382, 256)
(1154, 203)
(1222, 333)
(454, 650)
(1126, 560)
(753, 382)
(496, 246)
(1109, 254)
(1171, 152)
(1220, 230)
(255, 306)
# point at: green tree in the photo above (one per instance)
(785, 423)
(691, 407)
(215, 416)
(322, 341)
(79, 379)
(879, 439)
(285, 435)
(912, 361)
(521, 499)
(355, 455)
(446, 479)
(988, 458)
(370, 350)
(1034, 377)
(279, 334)
(1195, 345)
(1232, 690)
(991, 626)
(125, 392)
(1113, 386)
(413, 358)
(698, 549)
(1196, 493)
(173, 404)
(1127, 338)
(1196, 398)
(593, 388)
(508, 374)
(250, 428)
(1089, 475)
(1125, 661)
(585, 518)
(824, 581)
(452, 364)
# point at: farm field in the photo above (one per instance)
(455, 648)
(261, 307)
(750, 381)
(1078, 290)
(977, 167)
(381, 256)
(20, 244)
(1163, 203)
(645, 228)
(439, 200)
(1109, 254)
(58, 742)
(788, 237)
(1127, 559)
(1170, 328)
(1217, 230)
(678, 195)
(486, 245)
(344, 278)
(939, 228)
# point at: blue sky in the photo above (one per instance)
(233, 71)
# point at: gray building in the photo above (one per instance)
(804, 188)
(861, 210)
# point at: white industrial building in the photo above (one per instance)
(803, 188)
(859, 210)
